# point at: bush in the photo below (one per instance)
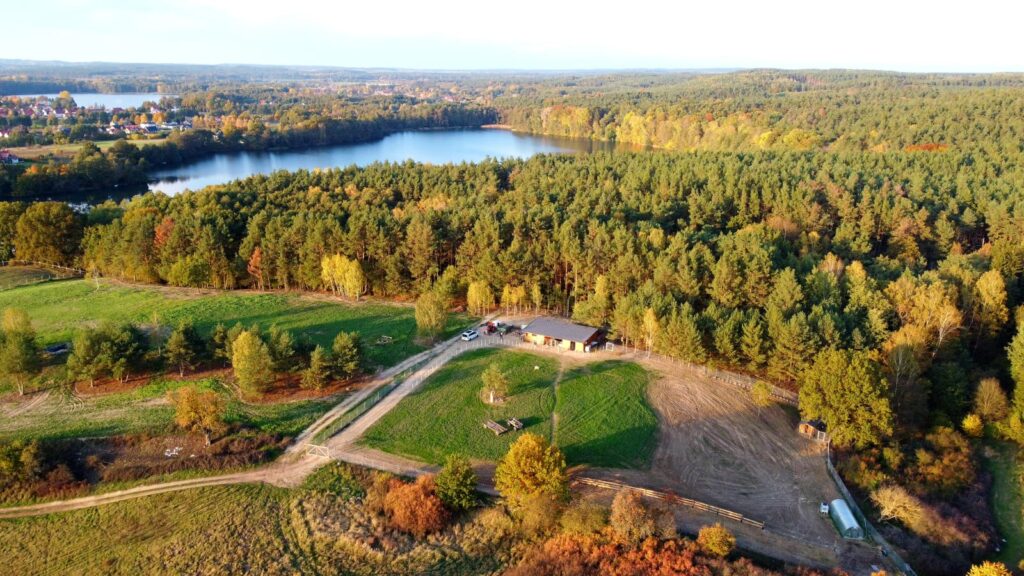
(539, 514)
(414, 508)
(584, 517)
(630, 518)
(716, 540)
(973, 426)
(455, 485)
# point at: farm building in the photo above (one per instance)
(550, 331)
(844, 519)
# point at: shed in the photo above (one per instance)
(844, 520)
(551, 331)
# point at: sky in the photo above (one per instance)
(904, 35)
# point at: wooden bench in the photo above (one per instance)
(515, 424)
(493, 426)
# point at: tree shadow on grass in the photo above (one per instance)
(629, 448)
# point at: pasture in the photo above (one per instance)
(603, 416)
(599, 417)
(58, 308)
(445, 414)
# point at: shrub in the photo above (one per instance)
(630, 518)
(584, 517)
(973, 426)
(716, 540)
(455, 485)
(414, 508)
(539, 514)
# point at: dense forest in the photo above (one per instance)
(857, 238)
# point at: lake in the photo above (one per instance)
(434, 147)
(107, 101)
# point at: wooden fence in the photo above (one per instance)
(54, 272)
(673, 499)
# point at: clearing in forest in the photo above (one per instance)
(445, 415)
(603, 415)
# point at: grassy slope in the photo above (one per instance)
(144, 410)
(446, 415)
(13, 276)
(57, 308)
(603, 416)
(1007, 501)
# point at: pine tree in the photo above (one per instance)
(250, 359)
(347, 350)
(316, 375)
(184, 347)
(752, 342)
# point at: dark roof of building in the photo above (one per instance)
(560, 329)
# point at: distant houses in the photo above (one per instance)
(8, 158)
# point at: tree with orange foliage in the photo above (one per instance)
(255, 267)
(414, 508)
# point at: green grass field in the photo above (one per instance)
(1008, 500)
(58, 308)
(445, 414)
(242, 529)
(145, 409)
(603, 416)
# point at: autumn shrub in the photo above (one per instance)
(716, 540)
(973, 426)
(414, 508)
(584, 517)
(538, 513)
(377, 492)
(944, 464)
(630, 518)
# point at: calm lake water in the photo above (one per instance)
(434, 147)
(108, 101)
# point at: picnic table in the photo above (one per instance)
(493, 426)
(515, 424)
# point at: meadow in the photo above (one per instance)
(446, 413)
(58, 308)
(603, 418)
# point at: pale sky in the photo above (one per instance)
(936, 35)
